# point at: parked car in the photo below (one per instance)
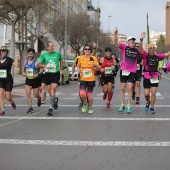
(66, 74)
(70, 64)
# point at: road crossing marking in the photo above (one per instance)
(83, 118)
(84, 143)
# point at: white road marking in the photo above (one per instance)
(100, 94)
(71, 98)
(75, 94)
(84, 143)
(166, 77)
(83, 118)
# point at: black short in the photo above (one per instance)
(7, 85)
(147, 84)
(138, 76)
(52, 78)
(87, 83)
(34, 83)
(106, 79)
(130, 78)
(42, 78)
(98, 73)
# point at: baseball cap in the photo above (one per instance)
(131, 38)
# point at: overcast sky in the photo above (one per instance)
(130, 15)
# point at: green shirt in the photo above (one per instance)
(52, 61)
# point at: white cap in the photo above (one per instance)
(131, 38)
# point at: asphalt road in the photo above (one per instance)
(71, 140)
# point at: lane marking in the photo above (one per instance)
(82, 118)
(84, 143)
(166, 77)
(71, 98)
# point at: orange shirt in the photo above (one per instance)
(87, 67)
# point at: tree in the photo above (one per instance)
(160, 44)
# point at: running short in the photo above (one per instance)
(130, 78)
(34, 83)
(7, 85)
(147, 84)
(86, 84)
(98, 73)
(138, 76)
(52, 78)
(42, 78)
(106, 79)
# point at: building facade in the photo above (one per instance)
(167, 41)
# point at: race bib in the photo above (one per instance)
(138, 66)
(125, 73)
(154, 80)
(87, 73)
(108, 70)
(51, 68)
(29, 72)
(3, 74)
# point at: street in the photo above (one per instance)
(72, 140)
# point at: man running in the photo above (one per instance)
(128, 69)
(138, 77)
(150, 73)
(52, 62)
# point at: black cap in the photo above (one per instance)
(108, 49)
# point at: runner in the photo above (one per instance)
(97, 71)
(128, 69)
(138, 77)
(6, 80)
(31, 72)
(73, 69)
(150, 73)
(160, 65)
(86, 64)
(108, 64)
(52, 62)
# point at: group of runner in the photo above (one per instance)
(46, 71)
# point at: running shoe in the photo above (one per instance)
(84, 108)
(147, 106)
(2, 112)
(152, 111)
(30, 110)
(121, 108)
(108, 104)
(55, 106)
(104, 96)
(39, 102)
(80, 105)
(137, 100)
(90, 111)
(13, 105)
(128, 110)
(133, 96)
(50, 112)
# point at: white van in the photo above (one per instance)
(70, 64)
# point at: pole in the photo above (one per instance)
(65, 31)
(148, 38)
(109, 23)
(98, 10)
(4, 34)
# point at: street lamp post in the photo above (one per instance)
(98, 10)
(109, 23)
(65, 31)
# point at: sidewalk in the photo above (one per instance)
(19, 80)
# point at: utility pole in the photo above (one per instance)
(148, 37)
(66, 32)
(98, 24)
(109, 23)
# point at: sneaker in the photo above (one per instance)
(147, 106)
(50, 112)
(133, 96)
(108, 104)
(90, 111)
(84, 108)
(80, 105)
(55, 106)
(128, 110)
(121, 108)
(2, 112)
(152, 111)
(104, 96)
(39, 102)
(13, 105)
(137, 100)
(30, 110)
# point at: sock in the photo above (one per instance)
(110, 96)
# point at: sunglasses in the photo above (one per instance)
(151, 48)
(108, 51)
(137, 46)
(87, 49)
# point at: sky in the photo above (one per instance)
(130, 15)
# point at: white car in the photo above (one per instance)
(70, 64)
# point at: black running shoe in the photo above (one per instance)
(39, 102)
(2, 112)
(50, 112)
(30, 110)
(13, 105)
(55, 106)
(133, 96)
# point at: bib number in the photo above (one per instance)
(138, 66)
(154, 80)
(51, 68)
(125, 73)
(29, 72)
(3, 74)
(108, 70)
(87, 73)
